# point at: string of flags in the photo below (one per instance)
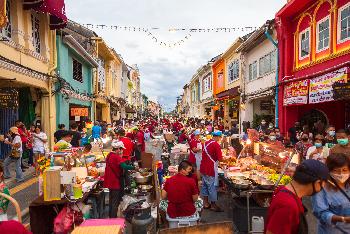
(170, 44)
(191, 30)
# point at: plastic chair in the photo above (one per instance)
(15, 204)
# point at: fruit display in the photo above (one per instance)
(285, 179)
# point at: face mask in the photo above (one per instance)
(340, 177)
(318, 145)
(343, 141)
(263, 123)
(270, 126)
(331, 133)
(109, 129)
(272, 138)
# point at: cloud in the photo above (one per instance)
(165, 71)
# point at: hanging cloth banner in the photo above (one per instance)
(321, 88)
(55, 8)
(3, 18)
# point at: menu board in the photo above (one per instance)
(341, 91)
(296, 93)
(321, 88)
(8, 98)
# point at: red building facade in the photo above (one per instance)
(314, 51)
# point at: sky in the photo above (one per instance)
(164, 71)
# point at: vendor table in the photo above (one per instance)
(42, 213)
(101, 226)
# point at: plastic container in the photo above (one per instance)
(258, 224)
(240, 213)
(182, 222)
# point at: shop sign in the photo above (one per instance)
(8, 98)
(77, 111)
(341, 91)
(265, 105)
(321, 88)
(296, 93)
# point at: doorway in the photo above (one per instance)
(316, 120)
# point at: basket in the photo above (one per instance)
(15, 204)
(183, 222)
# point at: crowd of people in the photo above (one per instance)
(323, 172)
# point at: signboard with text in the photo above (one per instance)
(8, 98)
(321, 88)
(296, 93)
(78, 111)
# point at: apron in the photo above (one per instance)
(216, 165)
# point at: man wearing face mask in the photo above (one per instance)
(343, 146)
(330, 138)
(302, 146)
(273, 140)
(318, 151)
(286, 213)
(332, 205)
(263, 126)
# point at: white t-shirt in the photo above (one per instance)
(321, 157)
(39, 145)
(17, 140)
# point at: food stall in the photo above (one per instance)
(251, 178)
(70, 185)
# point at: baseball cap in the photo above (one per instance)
(217, 133)
(311, 170)
(117, 144)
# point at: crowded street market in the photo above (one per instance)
(241, 125)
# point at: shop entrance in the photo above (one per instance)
(315, 119)
(98, 112)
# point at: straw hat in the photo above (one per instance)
(14, 130)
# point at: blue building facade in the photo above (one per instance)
(74, 89)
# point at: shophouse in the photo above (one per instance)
(219, 86)
(259, 62)
(205, 91)
(314, 49)
(194, 100)
(28, 62)
(74, 87)
(116, 102)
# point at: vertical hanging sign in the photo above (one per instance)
(3, 17)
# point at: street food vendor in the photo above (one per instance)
(64, 143)
(129, 145)
(209, 170)
(286, 213)
(195, 156)
(181, 192)
(113, 176)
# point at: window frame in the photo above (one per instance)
(208, 87)
(308, 29)
(34, 16)
(318, 33)
(250, 70)
(232, 67)
(340, 10)
(272, 64)
(81, 68)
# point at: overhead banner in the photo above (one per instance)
(321, 88)
(296, 93)
(3, 17)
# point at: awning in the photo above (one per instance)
(55, 8)
(228, 93)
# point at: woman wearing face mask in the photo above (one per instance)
(318, 151)
(273, 139)
(332, 205)
(330, 138)
(302, 146)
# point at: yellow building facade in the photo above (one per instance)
(27, 63)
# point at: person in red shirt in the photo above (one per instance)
(211, 155)
(24, 138)
(140, 144)
(286, 213)
(195, 156)
(129, 145)
(113, 176)
(181, 192)
(13, 227)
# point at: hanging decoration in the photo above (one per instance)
(149, 31)
(68, 91)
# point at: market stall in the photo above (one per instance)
(251, 178)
